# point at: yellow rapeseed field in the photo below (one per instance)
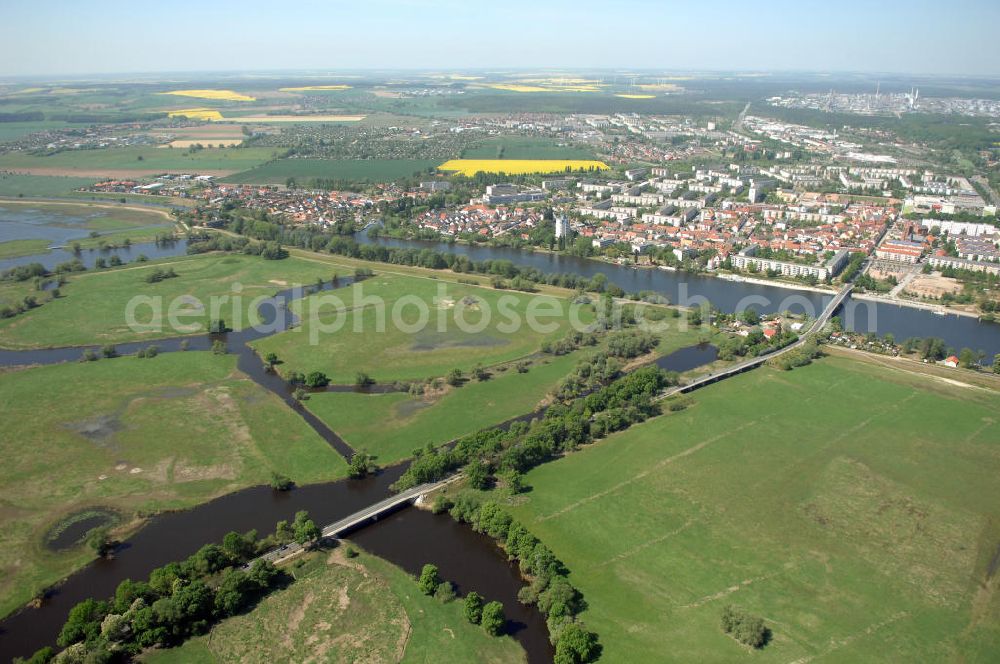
(224, 95)
(470, 167)
(195, 114)
(548, 85)
(625, 96)
(306, 88)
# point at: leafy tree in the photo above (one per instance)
(284, 532)
(219, 347)
(576, 645)
(745, 628)
(473, 607)
(109, 351)
(361, 379)
(361, 465)
(271, 359)
(100, 541)
(83, 622)
(454, 377)
(316, 379)
(996, 363)
(305, 528)
(429, 579)
(966, 358)
(493, 619)
(217, 326)
(281, 482)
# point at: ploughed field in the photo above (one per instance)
(853, 507)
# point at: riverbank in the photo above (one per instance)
(937, 309)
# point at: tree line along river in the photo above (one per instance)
(409, 538)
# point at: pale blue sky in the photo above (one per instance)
(51, 37)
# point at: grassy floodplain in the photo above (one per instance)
(400, 354)
(391, 426)
(110, 436)
(361, 609)
(113, 223)
(92, 305)
(304, 170)
(16, 248)
(854, 507)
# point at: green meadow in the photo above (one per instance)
(133, 435)
(17, 248)
(390, 426)
(356, 170)
(112, 224)
(855, 508)
(522, 147)
(40, 185)
(70, 162)
(342, 609)
(92, 307)
(368, 341)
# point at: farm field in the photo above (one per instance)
(11, 131)
(92, 307)
(40, 185)
(517, 147)
(391, 352)
(366, 598)
(136, 161)
(109, 438)
(391, 426)
(836, 501)
(304, 170)
(469, 167)
(221, 95)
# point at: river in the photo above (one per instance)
(411, 538)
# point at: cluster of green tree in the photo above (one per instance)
(178, 601)
(799, 357)
(158, 275)
(754, 344)
(934, 349)
(361, 465)
(853, 267)
(550, 589)
(569, 343)
(316, 240)
(205, 243)
(564, 427)
(313, 380)
(28, 303)
(866, 282)
(745, 628)
(629, 344)
(589, 375)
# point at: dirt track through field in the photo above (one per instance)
(638, 476)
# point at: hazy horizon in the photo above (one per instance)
(59, 39)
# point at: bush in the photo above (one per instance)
(445, 592)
